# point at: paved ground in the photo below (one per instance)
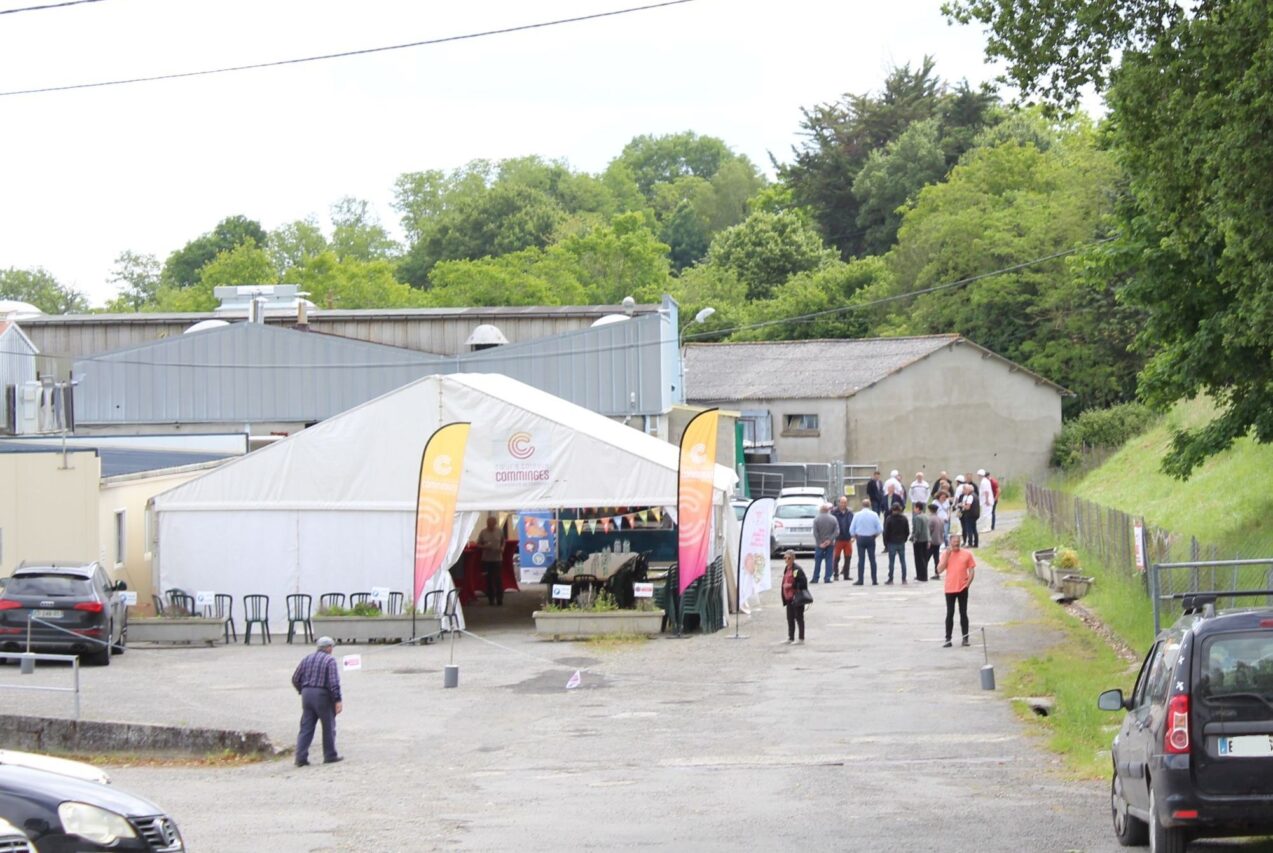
(868, 737)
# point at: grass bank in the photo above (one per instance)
(1074, 671)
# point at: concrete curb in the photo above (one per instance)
(44, 734)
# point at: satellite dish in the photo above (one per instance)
(204, 325)
(610, 318)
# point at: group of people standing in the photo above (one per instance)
(947, 518)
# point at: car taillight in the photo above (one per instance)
(9, 604)
(90, 606)
(1176, 740)
(777, 524)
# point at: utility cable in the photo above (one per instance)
(46, 6)
(346, 53)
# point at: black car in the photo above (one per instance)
(61, 814)
(1194, 757)
(80, 604)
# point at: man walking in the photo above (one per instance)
(994, 490)
(896, 531)
(919, 541)
(959, 567)
(865, 527)
(986, 494)
(491, 541)
(936, 534)
(825, 529)
(843, 539)
(317, 680)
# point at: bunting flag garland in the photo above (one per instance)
(618, 522)
(592, 526)
(552, 526)
(658, 513)
(605, 525)
(630, 519)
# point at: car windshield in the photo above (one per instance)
(1238, 664)
(797, 511)
(48, 585)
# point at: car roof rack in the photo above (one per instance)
(1198, 602)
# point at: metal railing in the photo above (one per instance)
(74, 660)
(1171, 583)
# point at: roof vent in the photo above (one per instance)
(204, 325)
(485, 336)
(609, 319)
(12, 309)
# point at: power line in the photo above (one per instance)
(344, 54)
(46, 6)
(438, 360)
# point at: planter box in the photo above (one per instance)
(1043, 564)
(191, 630)
(590, 623)
(367, 629)
(1076, 586)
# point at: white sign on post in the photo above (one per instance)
(643, 590)
(128, 598)
(561, 591)
(380, 597)
(351, 662)
(204, 598)
(1138, 538)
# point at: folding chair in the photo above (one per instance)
(299, 606)
(256, 609)
(182, 603)
(357, 598)
(160, 610)
(396, 602)
(223, 609)
(328, 600)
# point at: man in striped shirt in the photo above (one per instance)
(317, 679)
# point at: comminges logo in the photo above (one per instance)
(698, 453)
(520, 446)
(442, 465)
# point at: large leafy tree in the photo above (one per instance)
(1190, 101)
(766, 249)
(891, 178)
(137, 277)
(38, 287)
(183, 266)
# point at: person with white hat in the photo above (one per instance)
(317, 680)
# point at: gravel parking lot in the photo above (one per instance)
(870, 737)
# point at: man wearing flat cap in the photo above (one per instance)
(317, 679)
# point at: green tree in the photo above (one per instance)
(182, 267)
(137, 277)
(817, 304)
(618, 260)
(891, 178)
(357, 234)
(293, 244)
(768, 248)
(653, 160)
(529, 277)
(1189, 103)
(39, 288)
(335, 282)
(245, 263)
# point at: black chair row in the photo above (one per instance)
(395, 607)
(256, 610)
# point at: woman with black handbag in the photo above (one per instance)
(795, 594)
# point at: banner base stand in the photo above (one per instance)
(737, 637)
(451, 675)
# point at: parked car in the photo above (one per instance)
(65, 766)
(1194, 756)
(78, 598)
(60, 814)
(740, 508)
(14, 840)
(794, 512)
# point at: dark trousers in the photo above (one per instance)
(896, 550)
(795, 617)
(934, 554)
(866, 549)
(969, 526)
(316, 706)
(992, 514)
(494, 582)
(962, 598)
(845, 547)
(920, 550)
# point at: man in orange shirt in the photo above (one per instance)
(959, 567)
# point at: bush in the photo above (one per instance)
(1066, 558)
(1099, 429)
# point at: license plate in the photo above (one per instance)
(47, 614)
(1247, 746)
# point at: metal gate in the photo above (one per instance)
(1171, 583)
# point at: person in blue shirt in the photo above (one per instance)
(865, 527)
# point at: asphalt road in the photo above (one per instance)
(870, 736)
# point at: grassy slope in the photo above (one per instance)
(1226, 503)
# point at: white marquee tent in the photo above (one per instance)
(332, 508)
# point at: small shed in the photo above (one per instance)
(930, 403)
(17, 367)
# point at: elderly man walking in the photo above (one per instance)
(825, 529)
(919, 490)
(865, 527)
(317, 679)
(843, 539)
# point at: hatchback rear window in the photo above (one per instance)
(48, 585)
(1238, 663)
(797, 511)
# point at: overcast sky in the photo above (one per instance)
(85, 175)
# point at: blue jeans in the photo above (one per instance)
(898, 550)
(822, 557)
(866, 548)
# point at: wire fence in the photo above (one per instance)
(1109, 534)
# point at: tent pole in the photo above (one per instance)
(738, 582)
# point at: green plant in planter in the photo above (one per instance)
(1066, 558)
(364, 609)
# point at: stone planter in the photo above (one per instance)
(1076, 586)
(1043, 564)
(190, 630)
(368, 629)
(564, 624)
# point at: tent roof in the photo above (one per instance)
(368, 458)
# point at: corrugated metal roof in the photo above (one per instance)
(808, 369)
(116, 461)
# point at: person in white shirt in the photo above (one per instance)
(919, 490)
(986, 494)
(894, 492)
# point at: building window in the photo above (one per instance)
(800, 425)
(121, 531)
